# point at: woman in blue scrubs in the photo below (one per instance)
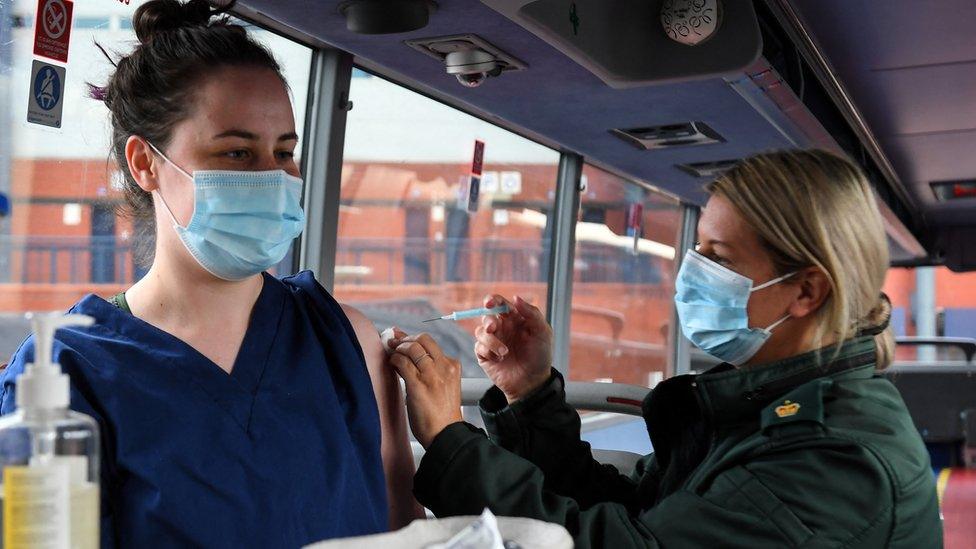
(236, 409)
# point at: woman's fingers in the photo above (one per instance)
(484, 354)
(489, 345)
(495, 300)
(429, 344)
(534, 318)
(391, 338)
(490, 323)
(415, 353)
(503, 324)
(405, 368)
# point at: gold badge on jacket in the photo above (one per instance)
(787, 409)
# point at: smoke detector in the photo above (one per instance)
(386, 16)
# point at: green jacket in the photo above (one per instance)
(787, 454)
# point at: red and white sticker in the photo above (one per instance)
(53, 29)
(635, 217)
(478, 162)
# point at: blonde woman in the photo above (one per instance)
(794, 440)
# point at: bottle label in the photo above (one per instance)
(36, 507)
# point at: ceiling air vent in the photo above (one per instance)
(439, 46)
(670, 135)
(710, 169)
(954, 190)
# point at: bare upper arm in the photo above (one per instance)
(383, 378)
(386, 385)
(397, 456)
(369, 338)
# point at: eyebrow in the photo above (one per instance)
(252, 136)
(714, 242)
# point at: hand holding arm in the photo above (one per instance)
(433, 382)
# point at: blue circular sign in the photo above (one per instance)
(47, 88)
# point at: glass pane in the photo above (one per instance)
(408, 248)
(610, 431)
(101, 23)
(954, 313)
(623, 281)
(62, 238)
(929, 353)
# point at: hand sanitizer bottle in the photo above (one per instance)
(48, 455)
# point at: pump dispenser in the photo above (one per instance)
(48, 454)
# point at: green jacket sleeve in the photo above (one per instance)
(800, 490)
(833, 494)
(545, 430)
(463, 472)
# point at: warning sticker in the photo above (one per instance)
(511, 182)
(53, 29)
(473, 193)
(477, 162)
(46, 98)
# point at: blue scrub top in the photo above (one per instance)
(281, 452)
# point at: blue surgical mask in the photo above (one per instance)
(243, 222)
(711, 302)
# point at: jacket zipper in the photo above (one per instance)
(706, 417)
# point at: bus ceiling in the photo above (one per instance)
(767, 74)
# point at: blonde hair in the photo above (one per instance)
(815, 208)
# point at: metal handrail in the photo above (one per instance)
(618, 398)
(966, 344)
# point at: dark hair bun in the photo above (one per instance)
(160, 16)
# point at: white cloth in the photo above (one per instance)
(527, 533)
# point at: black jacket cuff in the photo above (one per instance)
(442, 450)
(504, 421)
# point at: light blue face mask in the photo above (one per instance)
(711, 302)
(243, 222)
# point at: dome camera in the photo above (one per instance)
(471, 80)
(471, 67)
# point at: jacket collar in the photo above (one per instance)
(730, 395)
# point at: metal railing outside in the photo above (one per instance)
(365, 261)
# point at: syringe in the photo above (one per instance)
(472, 313)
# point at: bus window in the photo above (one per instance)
(62, 238)
(623, 285)
(931, 302)
(410, 246)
